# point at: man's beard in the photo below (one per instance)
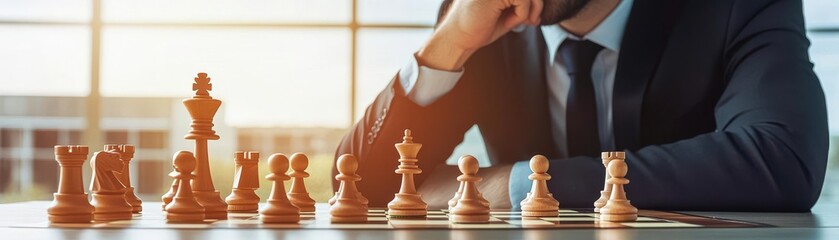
(555, 11)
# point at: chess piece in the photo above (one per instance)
(334, 197)
(298, 195)
(184, 206)
(126, 153)
(539, 202)
(108, 192)
(348, 207)
(202, 108)
(70, 203)
(618, 208)
(606, 157)
(469, 208)
(243, 197)
(459, 192)
(167, 197)
(407, 203)
(278, 208)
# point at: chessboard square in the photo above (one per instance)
(377, 219)
(414, 223)
(437, 217)
(659, 225)
(649, 219)
(377, 211)
(567, 211)
(481, 225)
(352, 226)
(568, 219)
(376, 214)
(526, 222)
(504, 213)
(578, 215)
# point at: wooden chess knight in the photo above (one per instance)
(126, 153)
(202, 108)
(108, 192)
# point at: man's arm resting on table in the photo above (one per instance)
(769, 151)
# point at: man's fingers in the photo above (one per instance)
(520, 14)
(536, 11)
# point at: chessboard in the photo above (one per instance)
(436, 219)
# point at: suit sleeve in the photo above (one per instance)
(768, 153)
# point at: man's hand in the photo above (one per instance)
(472, 24)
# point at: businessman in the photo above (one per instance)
(714, 101)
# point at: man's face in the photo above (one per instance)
(555, 11)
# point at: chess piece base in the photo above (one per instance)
(307, 205)
(618, 211)
(242, 201)
(482, 218)
(552, 213)
(70, 208)
(604, 197)
(131, 198)
(214, 207)
(407, 212)
(279, 218)
(175, 217)
(111, 207)
(406, 204)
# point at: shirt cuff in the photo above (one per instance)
(424, 85)
(519, 183)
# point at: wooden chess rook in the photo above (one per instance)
(108, 192)
(408, 203)
(243, 197)
(607, 157)
(70, 203)
(184, 206)
(278, 208)
(298, 195)
(539, 202)
(202, 108)
(126, 154)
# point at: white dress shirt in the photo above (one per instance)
(425, 85)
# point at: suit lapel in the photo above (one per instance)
(647, 29)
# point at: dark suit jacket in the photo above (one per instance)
(715, 104)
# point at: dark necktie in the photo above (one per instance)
(581, 111)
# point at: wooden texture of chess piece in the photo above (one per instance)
(539, 201)
(407, 203)
(167, 197)
(360, 197)
(618, 208)
(202, 108)
(298, 195)
(606, 157)
(469, 208)
(459, 193)
(108, 192)
(278, 208)
(243, 197)
(348, 207)
(126, 154)
(184, 207)
(70, 203)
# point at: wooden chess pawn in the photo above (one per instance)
(278, 209)
(167, 197)
(184, 207)
(126, 154)
(540, 202)
(459, 193)
(298, 195)
(469, 209)
(618, 208)
(407, 203)
(243, 197)
(348, 207)
(606, 157)
(108, 192)
(70, 203)
(360, 197)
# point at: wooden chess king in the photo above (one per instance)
(202, 108)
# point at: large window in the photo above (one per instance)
(293, 76)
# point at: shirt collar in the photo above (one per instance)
(608, 33)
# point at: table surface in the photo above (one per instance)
(821, 223)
